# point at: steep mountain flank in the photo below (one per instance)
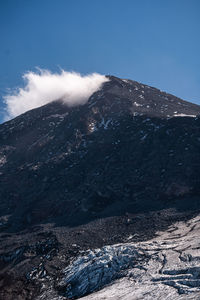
(123, 165)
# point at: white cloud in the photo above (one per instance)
(44, 87)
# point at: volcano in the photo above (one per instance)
(103, 177)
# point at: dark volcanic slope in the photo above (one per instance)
(131, 148)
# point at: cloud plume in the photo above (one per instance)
(44, 87)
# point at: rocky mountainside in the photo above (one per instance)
(74, 180)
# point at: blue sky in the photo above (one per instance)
(156, 42)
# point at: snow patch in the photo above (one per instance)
(184, 115)
(137, 104)
(92, 127)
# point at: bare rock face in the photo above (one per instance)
(83, 191)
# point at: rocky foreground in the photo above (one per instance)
(165, 267)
